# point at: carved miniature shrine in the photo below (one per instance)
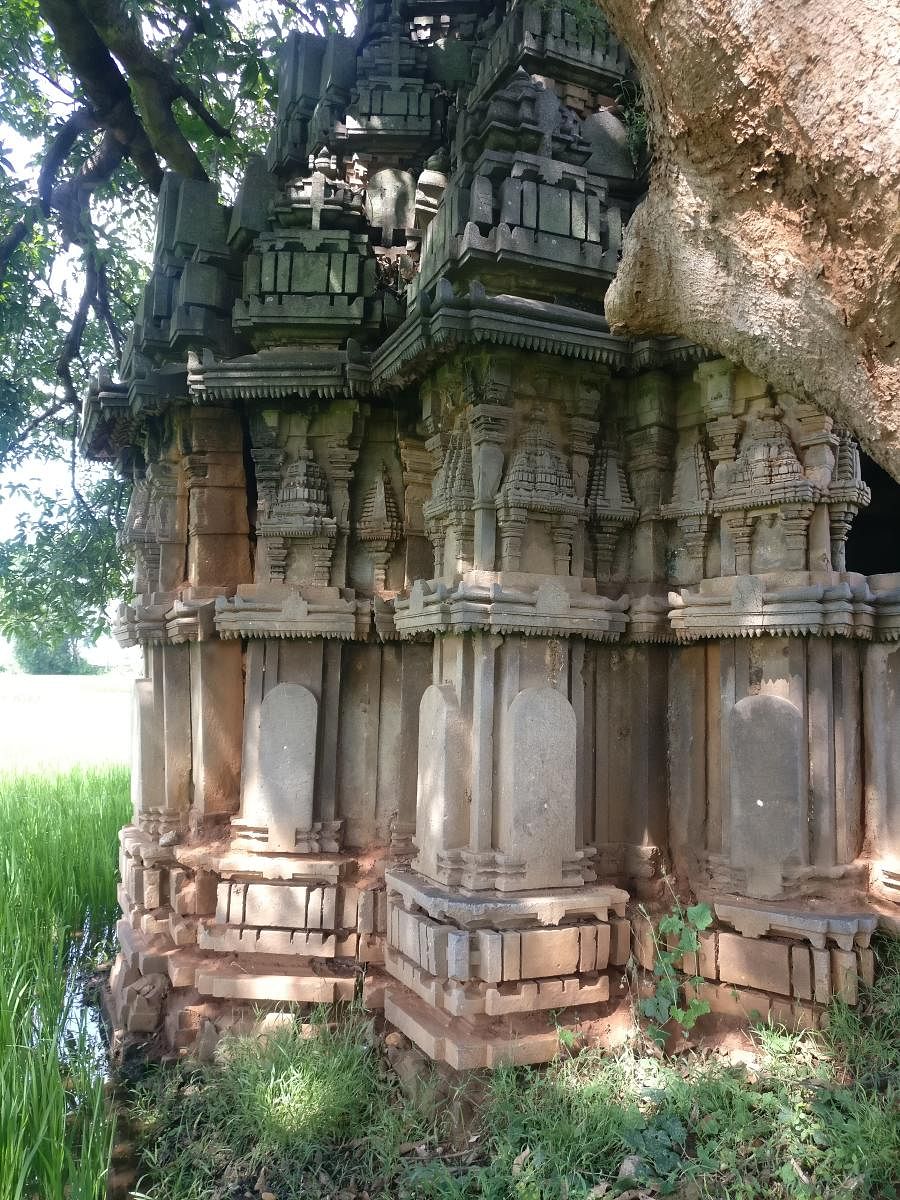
(468, 624)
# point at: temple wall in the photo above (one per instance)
(472, 631)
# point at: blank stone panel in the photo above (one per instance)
(768, 796)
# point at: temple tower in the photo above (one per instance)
(468, 624)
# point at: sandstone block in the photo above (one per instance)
(708, 953)
(781, 1012)
(205, 889)
(806, 1016)
(821, 960)
(371, 948)
(619, 940)
(223, 904)
(549, 952)
(302, 986)
(767, 744)
(512, 955)
(440, 800)
(801, 972)
(730, 1001)
(536, 804)
(866, 960)
(754, 963)
(182, 932)
(587, 948)
(844, 978)
(289, 906)
(490, 955)
(643, 941)
(182, 967)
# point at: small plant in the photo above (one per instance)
(634, 114)
(569, 1038)
(677, 934)
(586, 14)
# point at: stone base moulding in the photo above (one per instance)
(467, 623)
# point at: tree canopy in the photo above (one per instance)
(99, 98)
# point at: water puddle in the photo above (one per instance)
(83, 1035)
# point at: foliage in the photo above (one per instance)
(637, 122)
(58, 884)
(676, 935)
(803, 1121)
(98, 97)
(587, 14)
(60, 658)
(307, 1102)
(62, 565)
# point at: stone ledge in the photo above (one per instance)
(817, 922)
(496, 1000)
(505, 909)
(466, 1044)
(234, 981)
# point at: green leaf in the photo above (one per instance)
(700, 916)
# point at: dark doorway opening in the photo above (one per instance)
(873, 547)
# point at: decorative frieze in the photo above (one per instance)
(465, 620)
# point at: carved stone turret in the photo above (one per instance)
(467, 622)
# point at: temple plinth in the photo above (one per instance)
(468, 624)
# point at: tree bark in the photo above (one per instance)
(771, 231)
(104, 85)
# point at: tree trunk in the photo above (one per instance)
(771, 231)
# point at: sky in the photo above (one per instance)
(51, 477)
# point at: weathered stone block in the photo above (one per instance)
(801, 972)
(755, 963)
(440, 803)
(536, 814)
(620, 941)
(549, 952)
(821, 976)
(729, 1001)
(866, 961)
(844, 978)
(708, 953)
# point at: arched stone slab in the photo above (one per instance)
(769, 790)
(287, 765)
(536, 817)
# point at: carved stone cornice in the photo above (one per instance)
(500, 603)
(785, 604)
(283, 611)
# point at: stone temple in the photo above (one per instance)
(468, 624)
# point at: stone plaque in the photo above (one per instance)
(287, 764)
(768, 789)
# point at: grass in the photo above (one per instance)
(319, 1113)
(58, 889)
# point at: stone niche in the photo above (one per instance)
(466, 622)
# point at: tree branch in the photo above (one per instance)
(36, 422)
(72, 198)
(80, 121)
(153, 82)
(12, 240)
(104, 311)
(71, 347)
(104, 84)
(191, 98)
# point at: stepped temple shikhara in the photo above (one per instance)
(467, 624)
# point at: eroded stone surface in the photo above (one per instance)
(465, 620)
